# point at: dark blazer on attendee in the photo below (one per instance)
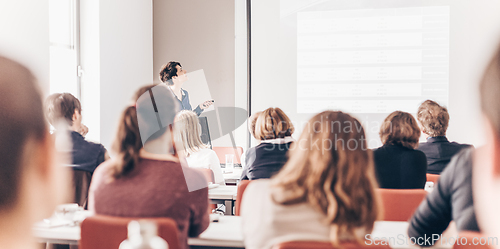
(264, 160)
(450, 200)
(439, 152)
(398, 167)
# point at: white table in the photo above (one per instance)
(224, 195)
(227, 233)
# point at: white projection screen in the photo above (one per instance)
(369, 58)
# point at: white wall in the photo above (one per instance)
(480, 21)
(117, 56)
(24, 35)
(200, 35)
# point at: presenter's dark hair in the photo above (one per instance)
(168, 71)
(22, 122)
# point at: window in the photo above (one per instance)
(64, 49)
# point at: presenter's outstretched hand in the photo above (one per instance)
(206, 104)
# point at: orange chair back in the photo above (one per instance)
(104, 232)
(399, 204)
(239, 195)
(208, 173)
(472, 238)
(432, 178)
(327, 245)
(223, 151)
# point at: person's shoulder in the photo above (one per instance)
(207, 151)
(463, 159)
(424, 145)
(258, 187)
(204, 153)
(78, 138)
(416, 153)
(192, 173)
(105, 170)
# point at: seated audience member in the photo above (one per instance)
(86, 156)
(323, 193)
(30, 180)
(252, 121)
(397, 164)
(433, 120)
(148, 181)
(274, 130)
(450, 200)
(486, 170)
(190, 146)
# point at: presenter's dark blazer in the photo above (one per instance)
(398, 167)
(439, 152)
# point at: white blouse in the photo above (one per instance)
(207, 158)
(266, 223)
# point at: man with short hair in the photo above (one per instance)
(433, 119)
(67, 108)
(85, 155)
(31, 185)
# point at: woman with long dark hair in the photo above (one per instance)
(146, 180)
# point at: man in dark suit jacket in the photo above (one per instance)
(439, 152)
(433, 120)
(450, 200)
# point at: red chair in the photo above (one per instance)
(472, 238)
(432, 178)
(239, 195)
(399, 204)
(208, 173)
(104, 232)
(223, 151)
(327, 245)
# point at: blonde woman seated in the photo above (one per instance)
(273, 129)
(190, 146)
(325, 192)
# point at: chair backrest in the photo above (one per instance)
(81, 184)
(432, 178)
(104, 232)
(479, 239)
(239, 195)
(399, 204)
(375, 244)
(223, 151)
(208, 173)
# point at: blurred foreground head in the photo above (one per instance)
(30, 183)
(486, 174)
